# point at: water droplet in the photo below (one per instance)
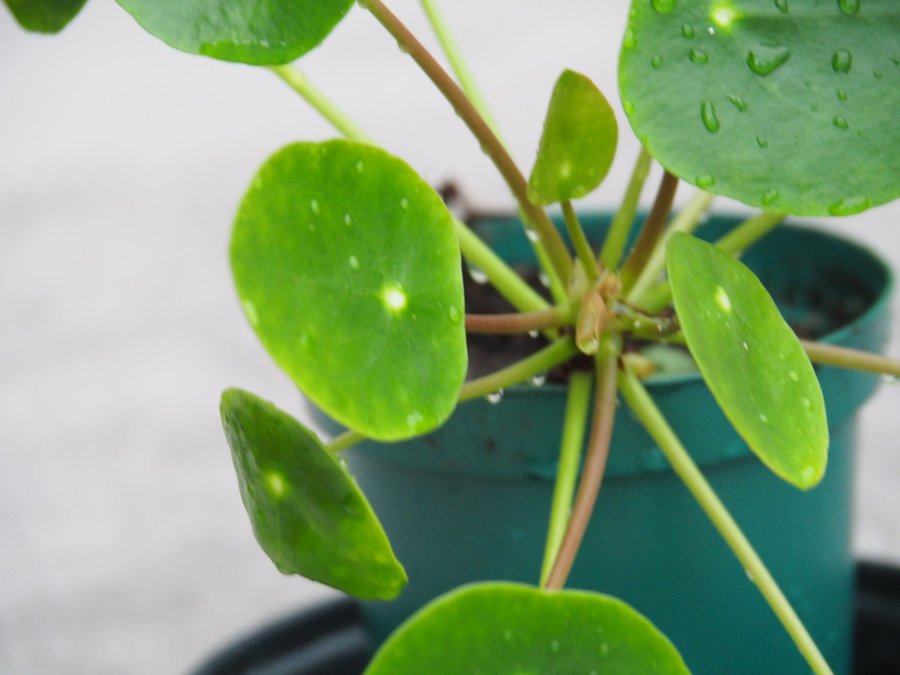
(532, 235)
(477, 275)
(842, 95)
(404, 204)
(628, 107)
(393, 297)
(604, 649)
(533, 334)
(348, 220)
(782, 5)
(808, 473)
(354, 262)
(793, 375)
(840, 122)
(704, 181)
(687, 31)
(770, 197)
(495, 397)
(360, 167)
(709, 117)
(723, 16)
(762, 141)
(711, 30)
(698, 56)
(275, 483)
(745, 345)
(849, 7)
(314, 207)
(538, 380)
(454, 314)
(806, 403)
(250, 311)
(849, 205)
(554, 647)
(878, 74)
(656, 61)
(841, 61)
(896, 59)
(738, 102)
(750, 576)
(663, 6)
(722, 299)
(306, 342)
(414, 418)
(544, 279)
(630, 40)
(766, 59)
(763, 418)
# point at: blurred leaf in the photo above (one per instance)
(787, 105)
(44, 16)
(348, 268)
(307, 513)
(578, 143)
(259, 32)
(512, 628)
(751, 359)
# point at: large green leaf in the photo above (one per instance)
(44, 16)
(751, 359)
(348, 268)
(786, 104)
(260, 32)
(503, 628)
(578, 142)
(307, 513)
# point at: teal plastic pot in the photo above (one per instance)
(471, 501)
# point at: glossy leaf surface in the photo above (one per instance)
(578, 143)
(790, 105)
(307, 513)
(348, 268)
(751, 359)
(44, 16)
(259, 32)
(521, 630)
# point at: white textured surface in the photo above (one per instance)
(123, 544)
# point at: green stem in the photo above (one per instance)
(617, 237)
(540, 362)
(511, 285)
(490, 144)
(521, 322)
(577, 406)
(594, 466)
(649, 415)
(687, 220)
(843, 357)
(299, 83)
(579, 241)
(651, 232)
(749, 232)
(344, 440)
(458, 63)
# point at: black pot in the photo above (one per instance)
(330, 639)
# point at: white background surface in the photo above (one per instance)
(123, 544)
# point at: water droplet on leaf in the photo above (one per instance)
(454, 314)
(663, 6)
(840, 122)
(314, 207)
(705, 181)
(738, 102)
(354, 262)
(841, 61)
(656, 61)
(842, 95)
(849, 205)
(782, 5)
(770, 197)
(709, 117)
(698, 56)
(687, 31)
(766, 59)
(477, 275)
(762, 141)
(495, 397)
(849, 7)
(629, 41)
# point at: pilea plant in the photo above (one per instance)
(347, 265)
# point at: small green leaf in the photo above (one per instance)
(44, 16)
(307, 513)
(790, 105)
(578, 143)
(751, 359)
(259, 32)
(348, 268)
(516, 629)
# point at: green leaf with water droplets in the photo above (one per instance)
(348, 268)
(307, 512)
(259, 32)
(578, 143)
(512, 628)
(751, 359)
(788, 105)
(44, 16)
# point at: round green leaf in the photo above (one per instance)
(307, 513)
(578, 142)
(44, 16)
(348, 268)
(751, 359)
(790, 105)
(259, 32)
(520, 630)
